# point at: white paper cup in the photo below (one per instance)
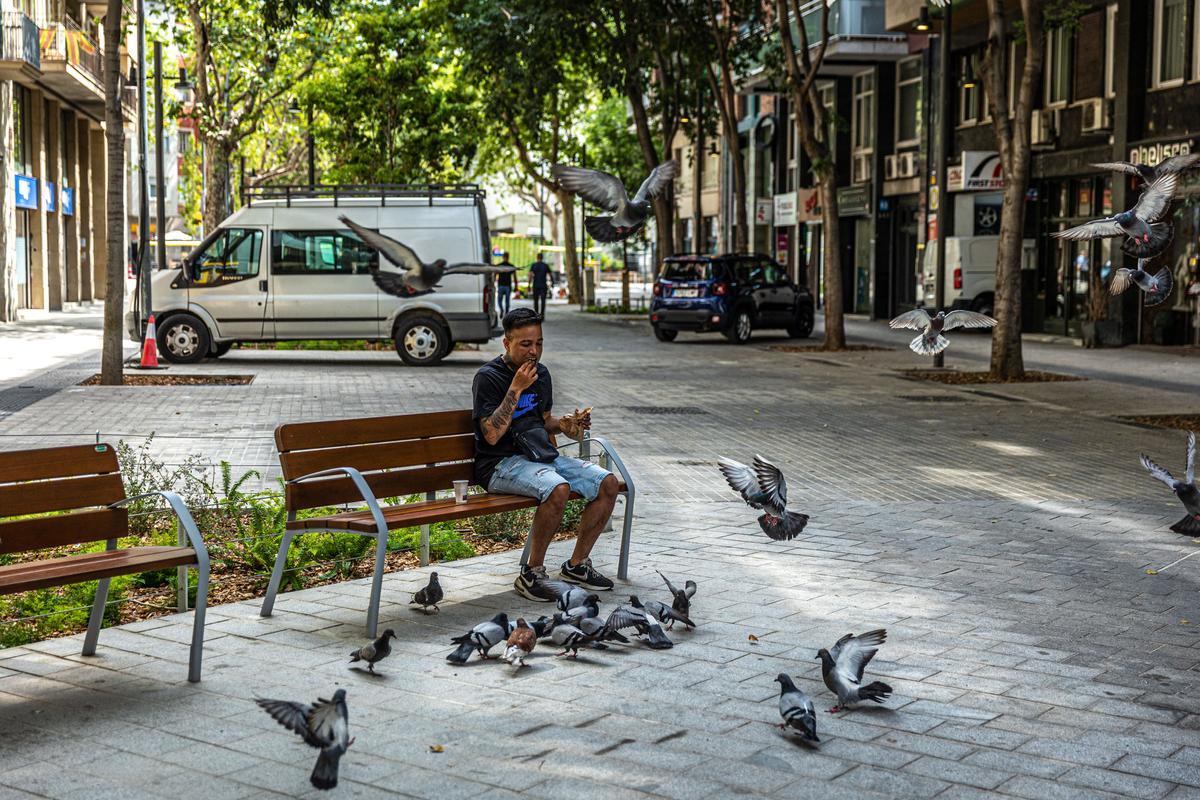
(460, 491)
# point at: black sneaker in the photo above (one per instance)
(585, 576)
(530, 584)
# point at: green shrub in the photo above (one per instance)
(340, 552)
(445, 543)
(507, 526)
(65, 608)
(143, 472)
(572, 513)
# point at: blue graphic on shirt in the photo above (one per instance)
(527, 402)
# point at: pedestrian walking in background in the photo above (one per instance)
(539, 284)
(504, 287)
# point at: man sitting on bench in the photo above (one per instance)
(515, 454)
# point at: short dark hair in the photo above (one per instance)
(520, 318)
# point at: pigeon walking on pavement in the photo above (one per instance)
(374, 652)
(682, 598)
(482, 638)
(568, 637)
(428, 596)
(1184, 489)
(604, 190)
(764, 487)
(635, 616)
(416, 276)
(324, 725)
(796, 708)
(520, 644)
(1146, 230)
(930, 342)
(1168, 166)
(1156, 287)
(842, 668)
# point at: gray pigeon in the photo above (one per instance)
(1157, 287)
(842, 668)
(541, 626)
(764, 487)
(1146, 233)
(1185, 489)
(604, 190)
(600, 631)
(482, 638)
(796, 709)
(567, 595)
(635, 616)
(417, 277)
(666, 615)
(568, 637)
(430, 595)
(682, 600)
(1169, 166)
(930, 342)
(374, 652)
(324, 725)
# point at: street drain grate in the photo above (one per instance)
(931, 398)
(691, 411)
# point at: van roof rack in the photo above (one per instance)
(381, 191)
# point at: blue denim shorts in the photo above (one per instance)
(518, 475)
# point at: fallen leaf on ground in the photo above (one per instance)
(753, 639)
(1151, 572)
(436, 748)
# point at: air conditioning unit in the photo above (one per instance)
(1096, 116)
(861, 171)
(891, 167)
(907, 168)
(1042, 127)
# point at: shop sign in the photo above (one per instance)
(48, 193)
(854, 201)
(979, 171)
(808, 205)
(764, 209)
(25, 190)
(785, 209)
(1154, 154)
(67, 201)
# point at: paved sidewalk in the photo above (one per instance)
(1002, 539)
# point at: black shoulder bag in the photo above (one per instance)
(532, 439)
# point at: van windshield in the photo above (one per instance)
(687, 271)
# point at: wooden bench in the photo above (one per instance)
(85, 482)
(359, 460)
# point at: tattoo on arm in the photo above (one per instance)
(501, 418)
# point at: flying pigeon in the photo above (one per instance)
(374, 652)
(635, 616)
(600, 631)
(930, 341)
(682, 601)
(1169, 166)
(568, 637)
(416, 277)
(606, 191)
(431, 595)
(763, 487)
(796, 709)
(324, 725)
(1157, 287)
(1185, 490)
(483, 637)
(1146, 233)
(520, 644)
(666, 615)
(842, 668)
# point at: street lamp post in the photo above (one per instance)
(943, 153)
(182, 87)
(143, 263)
(312, 156)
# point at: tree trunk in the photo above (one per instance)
(624, 288)
(698, 159)
(566, 201)
(741, 233)
(8, 220)
(217, 156)
(831, 247)
(113, 354)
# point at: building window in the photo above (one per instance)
(21, 151)
(1170, 42)
(1110, 48)
(968, 96)
(908, 102)
(1059, 43)
(864, 112)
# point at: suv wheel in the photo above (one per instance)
(740, 326)
(802, 326)
(421, 340)
(664, 334)
(183, 339)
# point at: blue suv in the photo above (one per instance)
(733, 294)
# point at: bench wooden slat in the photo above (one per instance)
(398, 483)
(60, 494)
(23, 535)
(369, 457)
(91, 566)
(343, 432)
(57, 462)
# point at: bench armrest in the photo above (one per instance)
(360, 483)
(614, 459)
(180, 509)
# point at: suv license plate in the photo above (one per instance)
(686, 293)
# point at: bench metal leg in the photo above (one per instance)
(626, 532)
(97, 618)
(377, 583)
(197, 652)
(277, 573)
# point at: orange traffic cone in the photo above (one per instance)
(150, 348)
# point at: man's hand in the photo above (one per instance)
(524, 377)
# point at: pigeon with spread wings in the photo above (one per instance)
(1156, 287)
(324, 725)
(1148, 174)
(930, 342)
(764, 487)
(601, 189)
(417, 276)
(1146, 231)
(1184, 489)
(842, 668)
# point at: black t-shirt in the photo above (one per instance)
(539, 271)
(504, 278)
(488, 389)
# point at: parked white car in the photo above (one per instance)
(970, 271)
(283, 267)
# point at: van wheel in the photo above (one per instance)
(220, 349)
(664, 334)
(740, 326)
(183, 339)
(984, 304)
(421, 340)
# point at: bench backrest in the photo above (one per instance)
(76, 479)
(397, 455)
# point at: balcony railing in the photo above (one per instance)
(20, 39)
(63, 40)
(847, 18)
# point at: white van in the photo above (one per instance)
(970, 271)
(283, 267)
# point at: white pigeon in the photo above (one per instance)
(930, 341)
